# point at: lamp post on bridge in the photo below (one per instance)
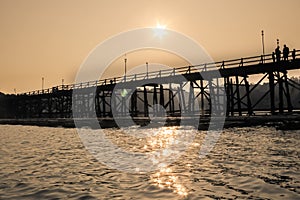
(263, 44)
(125, 66)
(147, 69)
(43, 80)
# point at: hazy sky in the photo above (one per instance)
(51, 38)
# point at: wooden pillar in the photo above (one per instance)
(227, 88)
(212, 101)
(237, 87)
(103, 105)
(280, 82)
(133, 104)
(218, 105)
(202, 97)
(97, 104)
(40, 106)
(249, 104)
(161, 96)
(155, 101)
(288, 97)
(113, 103)
(170, 101)
(145, 103)
(231, 98)
(191, 98)
(183, 105)
(50, 105)
(272, 93)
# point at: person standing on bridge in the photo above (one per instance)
(294, 54)
(277, 53)
(285, 52)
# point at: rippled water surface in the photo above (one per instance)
(246, 163)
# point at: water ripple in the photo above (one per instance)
(246, 163)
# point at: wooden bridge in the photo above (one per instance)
(206, 89)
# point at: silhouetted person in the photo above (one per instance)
(273, 56)
(294, 54)
(285, 52)
(278, 54)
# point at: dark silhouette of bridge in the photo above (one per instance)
(220, 88)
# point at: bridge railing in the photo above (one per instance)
(241, 62)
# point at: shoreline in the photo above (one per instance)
(281, 122)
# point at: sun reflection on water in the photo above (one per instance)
(162, 140)
(166, 179)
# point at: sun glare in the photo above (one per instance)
(161, 26)
(160, 30)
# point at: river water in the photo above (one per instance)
(245, 163)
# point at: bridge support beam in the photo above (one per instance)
(146, 111)
(238, 97)
(249, 104)
(191, 99)
(272, 93)
(231, 98)
(288, 97)
(161, 96)
(202, 97)
(280, 83)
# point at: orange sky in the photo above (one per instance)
(51, 38)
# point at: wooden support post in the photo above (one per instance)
(161, 96)
(40, 107)
(218, 104)
(280, 82)
(231, 98)
(212, 101)
(85, 99)
(133, 104)
(170, 102)
(272, 93)
(227, 88)
(155, 101)
(61, 104)
(237, 87)
(113, 103)
(50, 105)
(183, 105)
(191, 98)
(202, 97)
(103, 105)
(249, 104)
(69, 105)
(123, 106)
(97, 107)
(145, 103)
(288, 97)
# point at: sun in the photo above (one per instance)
(160, 26)
(160, 30)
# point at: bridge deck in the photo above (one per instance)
(237, 67)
